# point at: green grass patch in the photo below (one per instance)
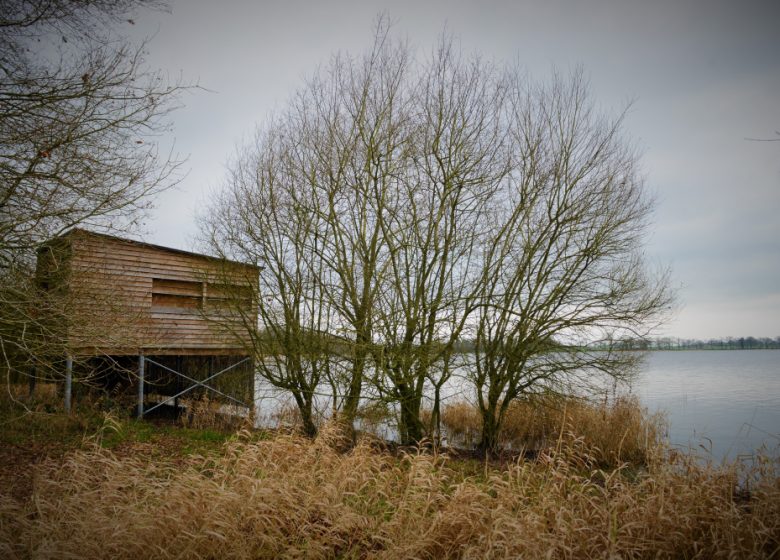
(41, 423)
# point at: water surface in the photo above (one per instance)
(724, 403)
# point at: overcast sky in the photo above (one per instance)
(704, 76)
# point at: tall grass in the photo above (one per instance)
(289, 497)
(615, 431)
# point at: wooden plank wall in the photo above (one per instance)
(128, 295)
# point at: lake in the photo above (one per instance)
(723, 403)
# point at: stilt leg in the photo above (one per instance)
(141, 385)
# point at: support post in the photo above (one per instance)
(253, 388)
(141, 384)
(178, 386)
(68, 382)
(210, 367)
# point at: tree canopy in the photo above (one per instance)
(79, 112)
(401, 205)
(80, 116)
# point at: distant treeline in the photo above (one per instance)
(670, 343)
(673, 343)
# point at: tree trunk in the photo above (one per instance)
(491, 428)
(304, 407)
(352, 399)
(435, 427)
(410, 427)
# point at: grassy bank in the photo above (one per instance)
(127, 491)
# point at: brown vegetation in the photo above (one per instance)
(289, 496)
(614, 431)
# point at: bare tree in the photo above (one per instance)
(401, 207)
(79, 113)
(455, 164)
(264, 217)
(356, 121)
(77, 124)
(563, 267)
(307, 201)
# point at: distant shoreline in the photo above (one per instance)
(686, 349)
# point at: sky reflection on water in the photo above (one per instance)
(723, 403)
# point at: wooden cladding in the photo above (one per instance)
(176, 296)
(128, 296)
(180, 296)
(229, 291)
(162, 303)
(177, 287)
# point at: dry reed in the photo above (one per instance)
(290, 497)
(615, 432)
(203, 413)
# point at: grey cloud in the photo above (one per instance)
(704, 74)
